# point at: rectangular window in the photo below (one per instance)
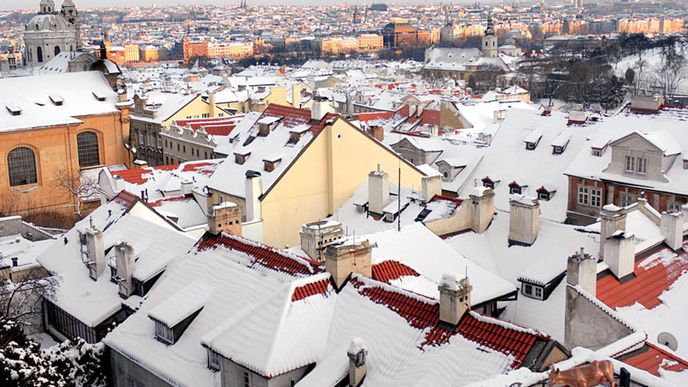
(164, 333)
(178, 148)
(538, 292)
(595, 197)
(630, 163)
(583, 197)
(184, 147)
(213, 360)
(246, 380)
(627, 199)
(641, 165)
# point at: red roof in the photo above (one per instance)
(199, 167)
(291, 116)
(651, 358)
(138, 175)
(311, 289)
(264, 255)
(370, 116)
(162, 201)
(652, 279)
(125, 198)
(424, 314)
(387, 271)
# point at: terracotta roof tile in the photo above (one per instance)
(387, 271)
(311, 289)
(652, 357)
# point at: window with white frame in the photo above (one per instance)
(532, 291)
(163, 332)
(583, 196)
(213, 360)
(626, 199)
(595, 197)
(674, 206)
(635, 164)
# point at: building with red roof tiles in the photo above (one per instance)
(196, 139)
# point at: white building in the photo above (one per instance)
(48, 34)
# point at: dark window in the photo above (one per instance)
(39, 54)
(22, 166)
(57, 50)
(87, 144)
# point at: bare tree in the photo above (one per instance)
(20, 300)
(671, 72)
(81, 188)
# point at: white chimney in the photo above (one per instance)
(620, 253)
(524, 219)
(672, 229)
(357, 354)
(320, 107)
(225, 217)
(482, 208)
(612, 219)
(254, 189)
(125, 268)
(95, 251)
(186, 186)
(430, 186)
(455, 298)
(296, 96)
(684, 213)
(343, 259)
(317, 235)
(378, 191)
(582, 271)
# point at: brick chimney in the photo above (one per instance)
(482, 208)
(343, 259)
(612, 219)
(377, 132)
(455, 298)
(524, 219)
(671, 227)
(378, 191)
(124, 254)
(581, 270)
(317, 235)
(357, 354)
(620, 253)
(225, 217)
(254, 189)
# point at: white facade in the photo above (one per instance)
(48, 34)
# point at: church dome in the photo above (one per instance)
(48, 22)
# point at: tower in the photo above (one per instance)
(489, 42)
(46, 7)
(71, 14)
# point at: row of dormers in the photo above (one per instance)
(545, 192)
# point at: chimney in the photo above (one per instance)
(315, 236)
(254, 189)
(524, 219)
(94, 247)
(671, 227)
(225, 217)
(321, 106)
(378, 191)
(186, 186)
(296, 96)
(124, 254)
(613, 219)
(430, 186)
(581, 270)
(620, 253)
(357, 354)
(377, 132)
(455, 298)
(482, 208)
(343, 259)
(211, 104)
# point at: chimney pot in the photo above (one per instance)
(254, 189)
(524, 219)
(671, 227)
(378, 191)
(455, 298)
(582, 271)
(357, 354)
(343, 259)
(125, 267)
(620, 253)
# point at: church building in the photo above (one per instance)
(51, 32)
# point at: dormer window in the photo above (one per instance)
(685, 163)
(533, 139)
(560, 143)
(532, 291)
(270, 163)
(164, 333)
(635, 164)
(213, 360)
(546, 192)
(515, 188)
(14, 110)
(99, 96)
(57, 100)
(489, 183)
(240, 158)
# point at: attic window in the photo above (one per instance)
(532, 291)
(99, 96)
(14, 110)
(533, 139)
(489, 183)
(546, 193)
(164, 333)
(685, 163)
(213, 360)
(560, 143)
(294, 137)
(56, 99)
(240, 158)
(515, 188)
(269, 165)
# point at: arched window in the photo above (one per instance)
(39, 54)
(21, 163)
(57, 50)
(87, 145)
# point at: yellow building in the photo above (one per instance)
(294, 172)
(370, 42)
(233, 50)
(131, 53)
(149, 54)
(53, 128)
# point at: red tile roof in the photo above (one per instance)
(291, 116)
(424, 315)
(162, 201)
(199, 167)
(125, 198)
(652, 357)
(387, 271)
(363, 117)
(266, 256)
(311, 289)
(652, 279)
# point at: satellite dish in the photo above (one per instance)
(667, 339)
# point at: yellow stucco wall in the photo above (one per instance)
(194, 109)
(324, 177)
(56, 151)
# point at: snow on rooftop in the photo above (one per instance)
(181, 304)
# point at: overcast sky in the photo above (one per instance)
(25, 4)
